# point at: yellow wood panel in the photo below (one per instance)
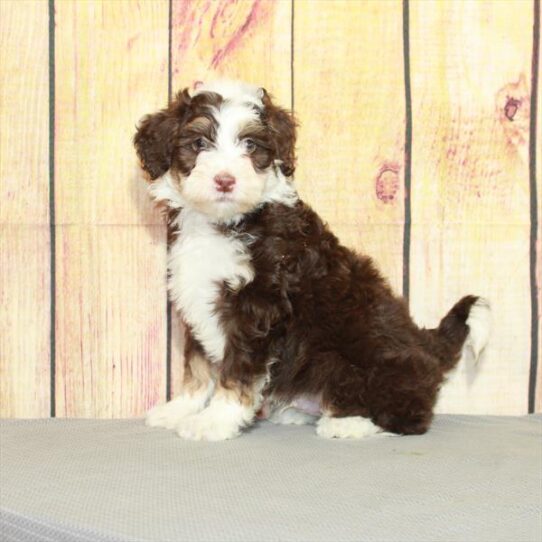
(470, 72)
(24, 210)
(110, 320)
(246, 39)
(111, 68)
(349, 97)
(237, 39)
(538, 401)
(24, 321)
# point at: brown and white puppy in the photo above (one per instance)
(277, 310)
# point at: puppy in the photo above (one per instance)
(279, 315)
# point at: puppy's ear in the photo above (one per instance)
(283, 130)
(157, 134)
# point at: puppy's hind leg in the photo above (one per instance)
(404, 390)
(396, 398)
(345, 411)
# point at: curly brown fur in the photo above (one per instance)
(334, 324)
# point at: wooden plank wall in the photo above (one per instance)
(110, 292)
(351, 144)
(25, 272)
(470, 189)
(417, 144)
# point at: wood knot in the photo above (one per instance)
(387, 183)
(511, 108)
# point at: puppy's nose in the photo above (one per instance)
(224, 182)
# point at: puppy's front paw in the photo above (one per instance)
(206, 426)
(169, 415)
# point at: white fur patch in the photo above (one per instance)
(223, 419)
(347, 427)
(171, 413)
(202, 259)
(278, 189)
(236, 91)
(479, 322)
(164, 190)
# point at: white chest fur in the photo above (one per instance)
(201, 260)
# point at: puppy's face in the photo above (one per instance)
(226, 149)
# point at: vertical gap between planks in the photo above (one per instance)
(52, 232)
(292, 45)
(408, 151)
(533, 206)
(168, 302)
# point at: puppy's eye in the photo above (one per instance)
(200, 144)
(249, 145)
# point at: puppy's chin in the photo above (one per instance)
(222, 209)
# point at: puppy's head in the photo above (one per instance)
(227, 148)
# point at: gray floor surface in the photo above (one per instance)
(471, 478)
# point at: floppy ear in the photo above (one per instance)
(283, 130)
(156, 135)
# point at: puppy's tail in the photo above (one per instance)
(468, 325)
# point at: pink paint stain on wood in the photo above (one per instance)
(221, 16)
(223, 30)
(387, 182)
(132, 40)
(215, 28)
(185, 24)
(152, 392)
(451, 153)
